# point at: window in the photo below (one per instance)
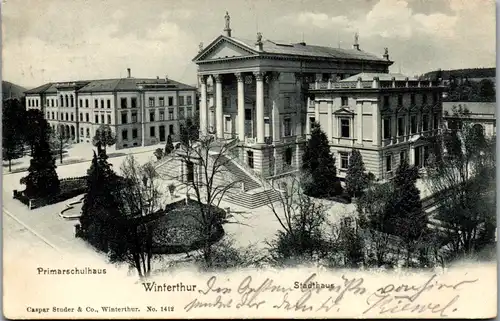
(387, 127)
(96, 103)
(227, 124)
(124, 118)
(72, 101)
(386, 101)
(425, 122)
(400, 100)
(88, 132)
(344, 160)
(133, 102)
(161, 101)
(401, 126)
(248, 114)
(402, 156)
(171, 129)
(134, 117)
(102, 103)
(152, 131)
(124, 134)
(436, 121)
(81, 131)
(170, 101)
(288, 156)
(344, 101)
(345, 128)
(189, 100)
(134, 133)
(312, 120)
(162, 115)
(81, 116)
(54, 118)
(287, 127)
(81, 105)
(181, 100)
(170, 114)
(67, 116)
(123, 102)
(102, 119)
(250, 159)
(61, 100)
(109, 103)
(412, 98)
(424, 99)
(151, 116)
(181, 113)
(86, 103)
(97, 119)
(87, 117)
(388, 163)
(109, 119)
(287, 103)
(48, 115)
(151, 102)
(413, 124)
(189, 111)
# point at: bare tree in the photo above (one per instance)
(59, 142)
(205, 174)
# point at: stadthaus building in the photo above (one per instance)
(140, 111)
(266, 93)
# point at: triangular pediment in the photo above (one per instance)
(343, 111)
(223, 48)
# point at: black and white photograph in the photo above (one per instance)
(249, 159)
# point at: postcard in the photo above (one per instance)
(249, 159)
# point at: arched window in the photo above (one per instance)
(72, 101)
(81, 116)
(61, 101)
(53, 115)
(67, 101)
(67, 117)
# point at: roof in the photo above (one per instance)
(476, 108)
(116, 84)
(303, 49)
(381, 76)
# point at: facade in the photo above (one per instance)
(480, 114)
(387, 117)
(256, 92)
(140, 111)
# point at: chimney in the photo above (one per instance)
(227, 29)
(157, 77)
(258, 43)
(166, 78)
(356, 41)
(128, 72)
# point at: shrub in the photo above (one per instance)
(158, 153)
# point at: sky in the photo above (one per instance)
(62, 40)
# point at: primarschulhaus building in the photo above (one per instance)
(266, 93)
(140, 111)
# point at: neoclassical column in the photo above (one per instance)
(316, 111)
(375, 125)
(276, 102)
(298, 104)
(218, 106)
(259, 77)
(359, 122)
(241, 106)
(203, 106)
(330, 120)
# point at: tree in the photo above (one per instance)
(34, 126)
(42, 180)
(205, 163)
(12, 135)
(356, 179)
(405, 209)
(487, 90)
(104, 137)
(59, 142)
(158, 153)
(351, 244)
(190, 130)
(463, 178)
(302, 224)
(318, 165)
(169, 147)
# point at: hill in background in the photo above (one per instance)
(10, 90)
(470, 73)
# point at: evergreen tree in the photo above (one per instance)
(42, 180)
(103, 137)
(12, 135)
(407, 218)
(356, 179)
(34, 127)
(169, 147)
(319, 165)
(101, 210)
